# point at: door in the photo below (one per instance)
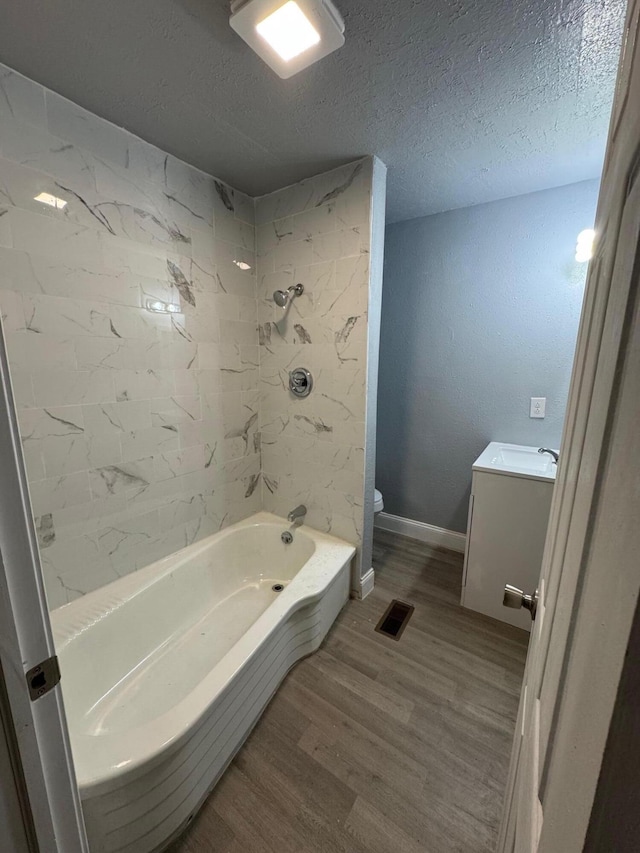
(34, 726)
(589, 582)
(15, 824)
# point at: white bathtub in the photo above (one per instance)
(166, 670)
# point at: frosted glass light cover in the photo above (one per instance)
(288, 31)
(288, 35)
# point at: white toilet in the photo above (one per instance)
(378, 503)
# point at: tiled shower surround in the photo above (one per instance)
(316, 233)
(147, 357)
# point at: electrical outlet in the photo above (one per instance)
(537, 407)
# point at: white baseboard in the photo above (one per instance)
(437, 536)
(367, 582)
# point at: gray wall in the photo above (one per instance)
(480, 312)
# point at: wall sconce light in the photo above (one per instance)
(584, 245)
(291, 35)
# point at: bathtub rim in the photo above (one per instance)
(136, 750)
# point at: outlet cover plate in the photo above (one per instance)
(538, 407)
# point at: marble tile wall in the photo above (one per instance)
(316, 232)
(139, 426)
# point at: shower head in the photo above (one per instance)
(282, 297)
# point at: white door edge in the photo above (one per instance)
(25, 641)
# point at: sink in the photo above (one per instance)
(516, 460)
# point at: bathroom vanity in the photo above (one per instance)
(511, 492)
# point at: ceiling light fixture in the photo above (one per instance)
(243, 265)
(51, 200)
(288, 36)
(288, 31)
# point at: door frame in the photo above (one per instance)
(590, 561)
(36, 730)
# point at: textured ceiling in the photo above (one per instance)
(465, 100)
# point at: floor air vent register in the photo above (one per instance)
(395, 619)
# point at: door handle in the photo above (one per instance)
(516, 598)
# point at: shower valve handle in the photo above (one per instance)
(300, 382)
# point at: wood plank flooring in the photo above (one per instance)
(380, 746)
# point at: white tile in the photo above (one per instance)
(348, 181)
(192, 206)
(52, 421)
(175, 410)
(182, 509)
(37, 148)
(59, 492)
(103, 450)
(114, 419)
(175, 463)
(67, 387)
(16, 272)
(199, 433)
(276, 233)
(127, 321)
(65, 454)
(147, 163)
(21, 186)
(80, 127)
(22, 387)
(199, 381)
(6, 231)
(291, 255)
(33, 460)
(122, 478)
(168, 542)
(148, 442)
(78, 565)
(244, 207)
(238, 333)
(57, 240)
(12, 311)
(157, 382)
(117, 353)
(64, 318)
(314, 222)
(337, 244)
(171, 354)
(127, 257)
(155, 495)
(126, 534)
(93, 281)
(21, 98)
(353, 272)
(203, 244)
(78, 520)
(224, 201)
(285, 202)
(31, 351)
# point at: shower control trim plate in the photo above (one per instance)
(300, 382)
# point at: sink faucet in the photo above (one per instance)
(298, 513)
(552, 452)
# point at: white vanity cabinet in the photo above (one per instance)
(509, 508)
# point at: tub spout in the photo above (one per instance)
(297, 515)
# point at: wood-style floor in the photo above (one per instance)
(380, 746)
